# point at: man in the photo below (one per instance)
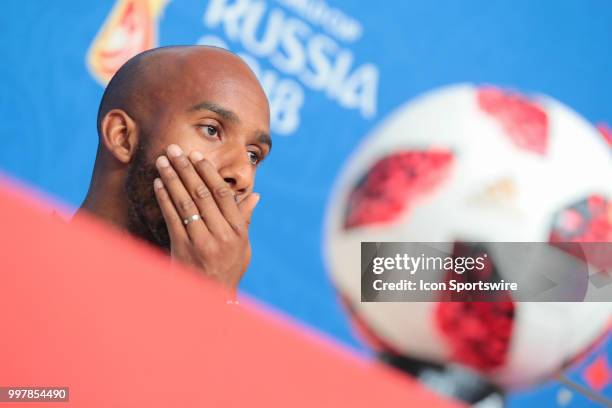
(181, 133)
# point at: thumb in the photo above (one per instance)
(248, 205)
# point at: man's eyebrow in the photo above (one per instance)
(265, 139)
(213, 107)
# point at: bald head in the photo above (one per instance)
(154, 74)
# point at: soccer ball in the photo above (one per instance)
(475, 164)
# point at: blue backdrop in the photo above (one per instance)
(332, 71)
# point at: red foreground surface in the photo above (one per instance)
(85, 307)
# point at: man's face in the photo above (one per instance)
(223, 115)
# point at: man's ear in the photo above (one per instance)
(119, 135)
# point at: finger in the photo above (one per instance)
(183, 204)
(247, 206)
(174, 222)
(221, 191)
(198, 190)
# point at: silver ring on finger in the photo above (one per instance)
(191, 219)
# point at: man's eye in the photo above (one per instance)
(210, 130)
(253, 158)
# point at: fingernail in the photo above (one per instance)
(196, 156)
(162, 161)
(174, 150)
(157, 183)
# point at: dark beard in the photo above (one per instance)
(144, 216)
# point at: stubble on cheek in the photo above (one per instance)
(144, 215)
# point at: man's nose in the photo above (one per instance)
(236, 169)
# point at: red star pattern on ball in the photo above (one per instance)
(605, 132)
(523, 121)
(589, 220)
(394, 183)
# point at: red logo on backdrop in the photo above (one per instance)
(129, 29)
